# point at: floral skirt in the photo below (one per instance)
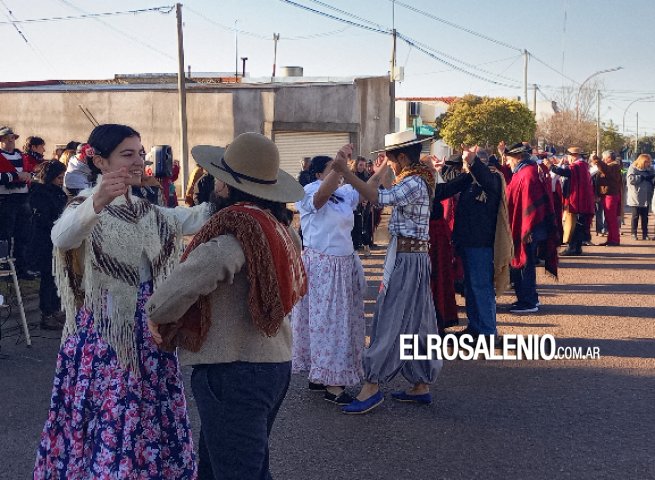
(328, 323)
(105, 422)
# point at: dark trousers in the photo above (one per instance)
(237, 403)
(362, 232)
(601, 223)
(580, 233)
(16, 223)
(49, 302)
(480, 293)
(637, 213)
(525, 279)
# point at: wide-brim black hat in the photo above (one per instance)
(518, 149)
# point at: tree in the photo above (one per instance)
(485, 121)
(646, 145)
(562, 130)
(611, 139)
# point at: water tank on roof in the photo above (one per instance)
(290, 71)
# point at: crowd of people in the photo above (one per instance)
(249, 301)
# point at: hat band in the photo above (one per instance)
(238, 176)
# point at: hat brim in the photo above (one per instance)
(398, 146)
(11, 133)
(285, 190)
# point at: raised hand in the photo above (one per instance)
(501, 147)
(345, 153)
(112, 185)
(469, 154)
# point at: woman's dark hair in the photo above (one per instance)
(278, 209)
(105, 138)
(50, 170)
(413, 152)
(32, 142)
(318, 165)
(72, 145)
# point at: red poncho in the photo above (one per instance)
(529, 205)
(581, 198)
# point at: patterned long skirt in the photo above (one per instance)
(328, 323)
(105, 422)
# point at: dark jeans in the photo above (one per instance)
(525, 279)
(637, 213)
(480, 293)
(16, 223)
(580, 233)
(49, 301)
(237, 403)
(601, 225)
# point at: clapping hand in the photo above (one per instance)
(112, 185)
(340, 163)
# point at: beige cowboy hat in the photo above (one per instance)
(397, 140)
(251, 163)
(7, 131)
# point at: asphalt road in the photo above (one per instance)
(560, 419)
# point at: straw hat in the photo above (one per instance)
(397, 140)
(251, 163)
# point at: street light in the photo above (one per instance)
(577, 98)
(629, 105)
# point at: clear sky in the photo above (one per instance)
(573, 37)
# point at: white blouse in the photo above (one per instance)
(327, 230)
(76, 224)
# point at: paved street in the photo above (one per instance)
(566, 419)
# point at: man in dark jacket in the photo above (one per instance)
(474, 235)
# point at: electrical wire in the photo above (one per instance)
(454, 25)
(432, 55)
(351, 15)
(338, 19)
(164, 10)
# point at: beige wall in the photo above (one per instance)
(215, 114)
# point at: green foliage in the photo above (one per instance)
(611, 139)
(485, 121)
(646, 145)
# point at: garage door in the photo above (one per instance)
(294, 146)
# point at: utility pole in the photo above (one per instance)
(637, 136)
(525, 77)
(276, 37)
(236, 51)
(243, 68)
(392, 82)
(598, 122)
(181, 87)
(534, 99)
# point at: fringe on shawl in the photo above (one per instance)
(83, 279)
(270, 296)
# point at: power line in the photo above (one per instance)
(479, 35)
(259, 36)
(338, 19)
(165, 10)
(454, 25)
(429, 51)
(455, 67)
(450, 57)
(351, 15)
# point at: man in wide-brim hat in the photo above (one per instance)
(532, 221)
(404, 304)
(227, 304)
(579, 204)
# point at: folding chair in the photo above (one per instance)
(6, 260)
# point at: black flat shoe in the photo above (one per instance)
(316, 387)
(342, 399)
